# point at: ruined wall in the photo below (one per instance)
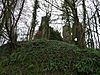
(43, 31)
(75, 35)
(47, 32)
(67, 37)
(78, 32)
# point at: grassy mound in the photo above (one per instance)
(49, 57)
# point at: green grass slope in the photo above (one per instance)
(49, 57)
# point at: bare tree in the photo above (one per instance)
(33, 24)
(9, 21)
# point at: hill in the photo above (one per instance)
(49, 57)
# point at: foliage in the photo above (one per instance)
(52, 35)
(88, 66)
(43, 57)
(55, 35)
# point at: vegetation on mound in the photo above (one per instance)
(46, 57)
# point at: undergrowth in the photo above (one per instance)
(49, 57)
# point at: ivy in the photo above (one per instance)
(49, 56)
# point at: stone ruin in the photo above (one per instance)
(74, 34)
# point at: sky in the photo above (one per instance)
(27, 17)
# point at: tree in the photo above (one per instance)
(72, 19)
(9, 21)
(33, 24)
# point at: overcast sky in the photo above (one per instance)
(27, 14)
